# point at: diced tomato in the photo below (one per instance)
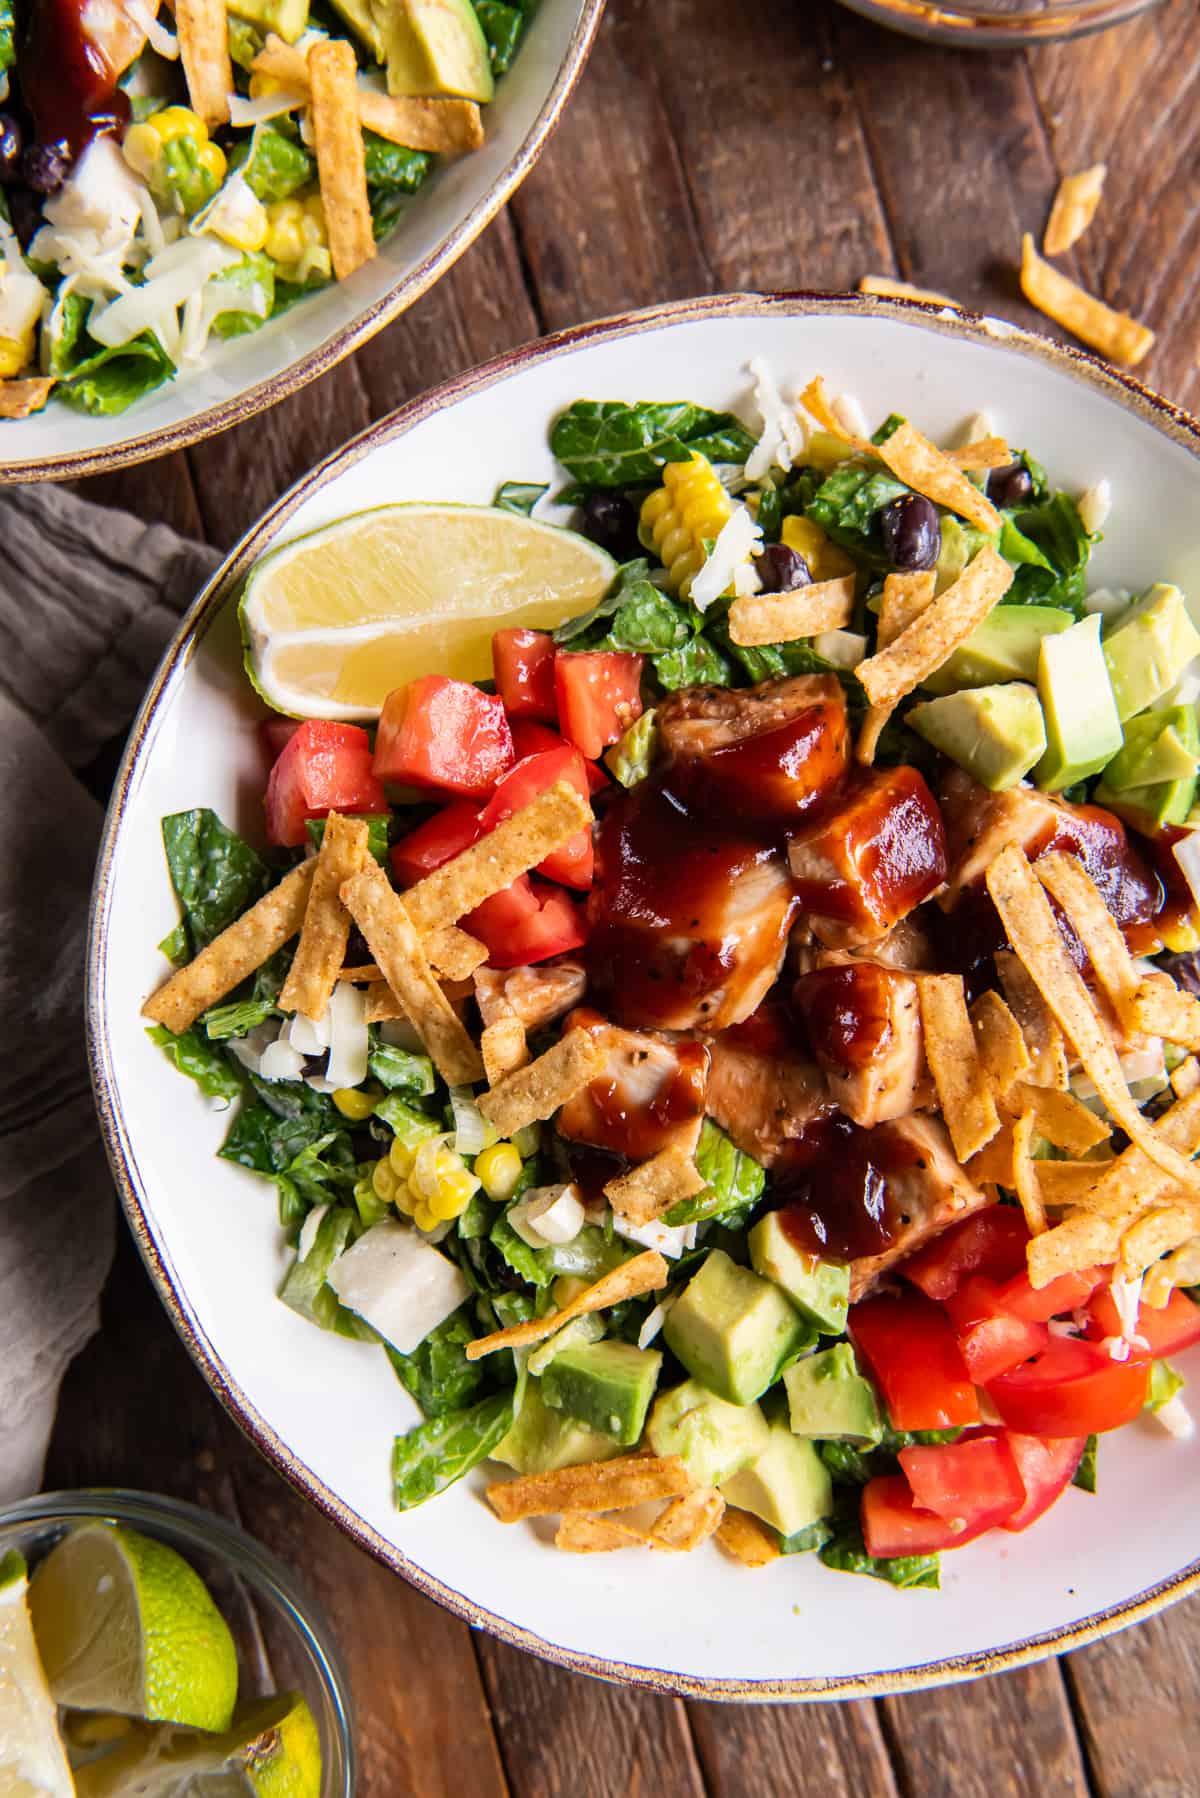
(1174, 1328)
(908, 1343)
(1040, 1303)
(323, 767)
(573, 863)
(531, 739)
(438, 840)
(993, 1345)
(965, 1481)
(529, 921)
(437, 732)
(893, 1525)
(599, 697)
(991, 1242)
(524, 665)
(1047, 1466)
(276, 734)
(1073, 1388)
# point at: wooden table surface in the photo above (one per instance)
(709, 146)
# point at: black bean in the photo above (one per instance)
(11, 145)
(1011, 486)
(912, 535)
(611, 521)
(44, 167)
(782, 570)
(26, 211)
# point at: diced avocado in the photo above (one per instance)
(1083, 731)
(542, 1439)
(1149, 808)
(995, 733)
(605, 1385)
(367, 19)
(713, 1439)
(820, 1290)
(829, 1400)
(287, 18)
(1003, 648)
(1159, 745)
(437, 47)
(1149, 649)
(732, 1329)
(787, 1485)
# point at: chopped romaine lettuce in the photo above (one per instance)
(437, 1453)
(847, 1554)
(200, 1061)
(437, 1373)
(630, 759)
(400, 1069)
(237, 1018)
(1085, 1474)
(735, 1182)
(216, 874)
(606, 443)
(520, 496)
(273, 165)
(377, 823)
(503, 27)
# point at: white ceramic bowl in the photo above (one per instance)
(242, 376)
(324, 1410)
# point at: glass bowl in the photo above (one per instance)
(283, 1641)
(998, 24)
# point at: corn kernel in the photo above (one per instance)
(141, 148)
(211, 158)
(353, 1105)
(179, 121)
(499, 1168)
(384, 1181)
(404, 1200)
(826, 562)
(14, 354)
(285, 236)
(423, 1218)
(1181, 936)
(262, 85)
(401, 1158)
(690, 508)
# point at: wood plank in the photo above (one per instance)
(564, 1734)
(1135, 1696)
(160, 491)
(1010, 1736)
(764, 1750)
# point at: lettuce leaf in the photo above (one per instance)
(606, 443)
(437, 1453)
(847, 1553)
(215, 873)
(735, 1182)
(437, 1373)
(196, 1057)
(274, 166)
(520, 496)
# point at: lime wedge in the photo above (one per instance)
(32, 1762)
(273, 1752)
(124, 1624)
(335, 620)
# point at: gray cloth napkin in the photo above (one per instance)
(88, 599)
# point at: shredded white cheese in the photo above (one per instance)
(245, 113)
(398, 1283)
(1187, 854)
(308, 1231)
(279, 1061)
(671, 1240)
(783, 437)
(1094, 506)
(850, 415)
(1176, 1419)
(740, 539)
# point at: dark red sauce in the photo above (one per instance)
(613, 1117)
(878, 856)
(846, 1012)
(775, 776)
(835, 1182)
(1129, 887)
(67, 83)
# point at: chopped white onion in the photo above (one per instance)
(1176, 1419)
(349, 1038)
(651, 1327)
(471, 1128)
(850, 415)
(1094, 506)
(739, 540)
(783, 436)
(308, 1231)
(671, 1240)
(245, 113)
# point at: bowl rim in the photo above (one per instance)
(1162, 414)
(404, 293)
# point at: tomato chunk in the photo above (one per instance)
(892, 1524)
(276, 734)
(1063, 1295)
(908, 1343)
(524, 666)
(964, 1482)
(599, 696)
(529, 921)
(530, 738)
(1167, 1332)
(437, 732)
(1047, 1467)
(990, 1242)
(1073, 1388)
(573, 864)
(438, 840)
(322, 768)
(993, 1345)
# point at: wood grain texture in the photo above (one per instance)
(1006, 1737)
(762, 1751)
(1136, 1698)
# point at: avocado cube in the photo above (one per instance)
(366, 21)
(820, 1290)
(995, 733)
(1083, 731)
(1149, 649)
(437, 47)
(1149, 808)
(605, 1385)
(1159, 745)
(288, 19)
(733, 1330)
(829, 1400)
(542, 1440)
(1003, 648)
(713, 1439)
(787, 1485)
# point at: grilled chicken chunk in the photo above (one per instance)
(926, 1197)
(864, 1026)
(535, 995)
(862, 868)
(762, 1089)
(650, 1095)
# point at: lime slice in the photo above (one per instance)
(124, 1624)
(273, 1752)
(32, 1762)
(335, 620)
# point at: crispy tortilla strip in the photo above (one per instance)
(993, 1165)
(745, 1539)
(27, 394)
(341, 159)
(383, 1007)
(937, 631)
(203, 29)
(326, 929)
(453, 953)
(1071, 886)
(928, 470)
(999, 1044)
(816, 401)
(1154, 1234)
(1061, 1118)
(1121, 338)
(1063, 1182)
(393, 940)
(583, 1533)
(644, 1273)
(1074, 209)
(233, 955)
(534, 1093)
(1185, 1079)
(688, 1521)
(652, 1187)
(594, 1486)
(504, 1048)
(1029, 924)
(1025, 1180)
(516, 845)
(366, 975)
(905, 597)
(449, 127)
(1043, 1038)
(963, 1090)
(889, 289)
(984, 453)
(1180, 1268)
(782, 617)
(1160, 1009)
